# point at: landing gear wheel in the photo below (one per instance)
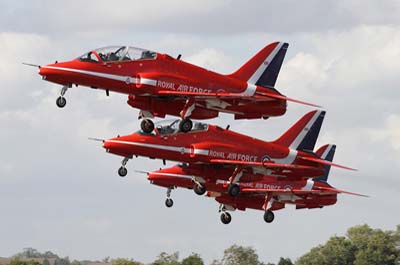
(147, 126)
(269, 216)
(234, 190)
(226, 218)
(122, 171)
(185, 125)
(61, 102)
(199, 189)
(169, 202)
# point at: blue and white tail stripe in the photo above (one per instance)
(308, 136)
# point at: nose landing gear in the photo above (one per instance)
(122, 171)
(168, 201)
(61, 101)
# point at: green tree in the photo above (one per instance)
(46, 262)
(18, 261)
(238, 255)
(379, 249)
(75, 262)
(120, 261)
(167, 259)
(215, 262)
(193, 259)
(283, 261)
(362, 246)
(62, 261)
(49, 255)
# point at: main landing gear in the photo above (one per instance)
(61, 101)
(168, 201)
(185, 125)
(234, 189)
(122, 171)
(199, 189)
(269, 216)
(147, 125)
(226, 218)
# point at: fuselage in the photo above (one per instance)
(216, 181)
(149, 77)
(209, 144)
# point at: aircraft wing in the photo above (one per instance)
(257, 96)
(318, 190)
(260, 164)
(280, 191)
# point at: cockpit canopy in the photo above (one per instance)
(117, 54)
(169, 127)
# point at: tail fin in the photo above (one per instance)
(263, 68)
(304, 133)
(326, 152)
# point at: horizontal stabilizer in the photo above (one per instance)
(325, 162)
(278, 96)
(341, 191)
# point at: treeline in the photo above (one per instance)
(361, 245)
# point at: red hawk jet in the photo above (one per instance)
(291, 155)
(158, 84)
(257, 191)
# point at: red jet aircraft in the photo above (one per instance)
(267, 193)
(158, 84)
(291, 156)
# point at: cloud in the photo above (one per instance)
(389, 134)
(208, 17)
(343, 55)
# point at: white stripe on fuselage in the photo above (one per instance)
(286, 160)
(181, 150)
(98, 74)
(250, 89)
(172, 175)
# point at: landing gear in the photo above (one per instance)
(234, 190)
(269, 216)
(61, 101)
(185, 125)
(122, 171)
(147, 125)
(226, 218)
(168, 201)
(199, 189)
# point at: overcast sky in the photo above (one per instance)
(61, 192)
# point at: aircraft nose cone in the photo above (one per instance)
(106, 145)
(43, 71)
